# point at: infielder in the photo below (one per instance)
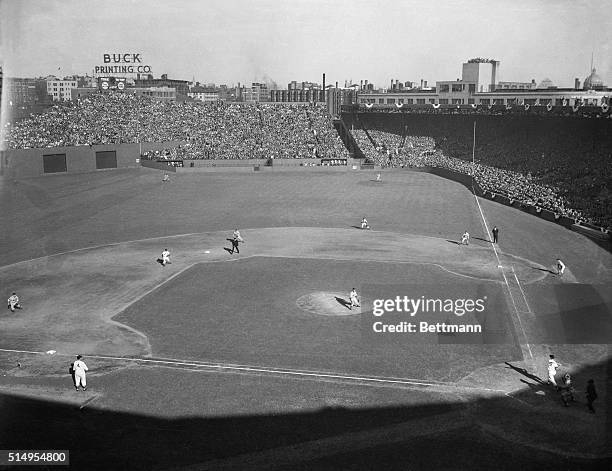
(560, 267)
(465, 238)
(236, 239)
(354, 299)
(364, 223)
(79, 367)
(13, 302)
(166, 178)
(165, 257)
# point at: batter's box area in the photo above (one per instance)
(294, 313)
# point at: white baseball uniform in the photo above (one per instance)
(80, 378)
(552, 371)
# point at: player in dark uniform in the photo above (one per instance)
(495, 232)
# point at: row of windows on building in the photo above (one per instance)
(481, 101)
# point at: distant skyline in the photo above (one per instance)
(243, 41)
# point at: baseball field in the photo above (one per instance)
(253, 360)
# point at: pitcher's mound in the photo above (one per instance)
(324, 303)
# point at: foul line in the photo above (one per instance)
(178, 364)
(522, 292)
(499, 264)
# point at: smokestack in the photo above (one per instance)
(576, 84)
(323, 87)
(361, 85)
(421, 83)
(336, 84)
(425, 83)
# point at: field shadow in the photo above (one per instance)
(453, 242)
(480, 238)
(544, 270)
(343, 302)
(328, 438)
(526, 373)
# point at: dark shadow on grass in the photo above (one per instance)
(526, 373)
(343, 302)
(453, 242)
(230, 251)
(480, 238)
(545, 269)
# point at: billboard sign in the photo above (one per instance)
(111, 83)
(122, 64)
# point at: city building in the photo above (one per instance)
(516, 85)
(60, 89)
(593, 82)
(204, 94)
(296, 95)
(257, 93)
(147, 81)
(479, 85)
(159, 93)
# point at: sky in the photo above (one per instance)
(231, 41)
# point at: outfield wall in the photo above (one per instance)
(245, 165)
(27, 163)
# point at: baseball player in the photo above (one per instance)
(13, 302)
(495, 234)
(378, 178)
(465, 238)
(364, 223)
(80, 378)
(552, 370)
(354, 299)
(560, 267)
(166, 178)
(591, 395)
(165, 257)
(567, 390)
(236, 239)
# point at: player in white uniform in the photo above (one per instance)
(354, 299)
(552, 370)
(166, 178)
(79, 367)
(560, 267)
(465, 238)
(165, 257)
(364, 223)
(13, 302)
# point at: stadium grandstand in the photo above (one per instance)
(538, 157)
(549, 162)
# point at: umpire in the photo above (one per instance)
(495, 232)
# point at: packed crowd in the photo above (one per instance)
(210, 131)
(393, 150)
